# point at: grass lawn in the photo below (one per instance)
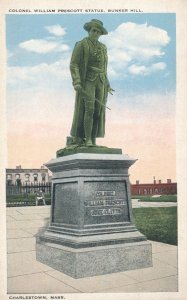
(30, 198)
(162, 198)
(157, 223)
(21, 197)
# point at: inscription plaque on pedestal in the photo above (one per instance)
(106, 206)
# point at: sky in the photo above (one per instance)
(141, 70)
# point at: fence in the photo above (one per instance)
(28, 188)
(25, 194)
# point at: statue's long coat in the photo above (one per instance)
(78, 68)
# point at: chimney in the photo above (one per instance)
(154, 180)
(168, 180)
(137, 182)
(18, 167)
(160, 181)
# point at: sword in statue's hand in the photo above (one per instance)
(87, 96)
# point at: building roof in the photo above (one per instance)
(26, 170)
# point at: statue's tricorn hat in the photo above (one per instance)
(97, 24)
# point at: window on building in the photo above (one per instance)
(145, 191)
(9, 179)
(35, 177)
(18, 179)
(27, 177)
(43, 177)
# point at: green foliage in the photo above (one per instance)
(158, 223)
(20, 197)
(162, 198)
(28, 199)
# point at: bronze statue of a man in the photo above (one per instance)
(88, 68)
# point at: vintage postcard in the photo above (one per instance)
(93, 155)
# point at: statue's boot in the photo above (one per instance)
(88, 123)
(88, 143)
(94, 133)
(94, 141)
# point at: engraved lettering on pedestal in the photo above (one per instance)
(105, 212)
(105, 193)
(104, 202)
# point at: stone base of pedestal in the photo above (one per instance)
(86, 262)
(91, 230)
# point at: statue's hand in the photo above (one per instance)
(77, 87)
(110, 90)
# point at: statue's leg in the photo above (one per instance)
(89, 111)
(99, 94)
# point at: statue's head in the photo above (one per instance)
(95, 29)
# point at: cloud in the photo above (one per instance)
(142, 34)
(41, 75)
(43, 46)
(57, 30)
(135, 70)
(48, 44)
(143, 70)
(136, 48)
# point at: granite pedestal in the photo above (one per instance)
(91, 230)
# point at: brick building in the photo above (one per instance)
(20, 176)
(155, 188)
